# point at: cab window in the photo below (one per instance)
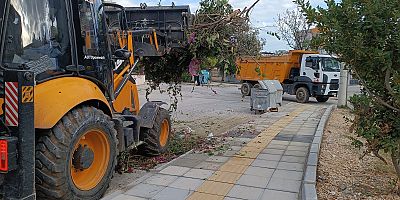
(38, 38)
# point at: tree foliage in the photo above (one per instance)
(217, 36)
(220, 33)
(366, 36)
(294, 28)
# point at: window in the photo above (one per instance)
(37, 35)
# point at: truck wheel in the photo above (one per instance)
(246, 89)
(322, 98)
(257, 86)
(76, 158)
(302, 95)
(156, 139)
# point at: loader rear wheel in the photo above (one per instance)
(76, 158)
(156, 139)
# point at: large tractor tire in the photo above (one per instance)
(246, 89)
(76, 158)
(302, 95)
(156, 139)
(322, 98)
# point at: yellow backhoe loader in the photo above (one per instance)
(69, 102)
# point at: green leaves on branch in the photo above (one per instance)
(219, 31)
(366, 36)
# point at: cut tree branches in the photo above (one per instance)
(217, 36)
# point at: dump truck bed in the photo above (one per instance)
(274, 67)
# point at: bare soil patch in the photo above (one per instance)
(342, 174)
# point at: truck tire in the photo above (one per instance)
(257, 86)
(322, 98)
(156, 139)
(77, 157)
(302, 95)
(246, 89)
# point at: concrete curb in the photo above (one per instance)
(308, 189)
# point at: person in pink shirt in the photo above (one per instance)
(194, 68)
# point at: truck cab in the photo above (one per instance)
(320, 74)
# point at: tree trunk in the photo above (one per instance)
(396, 163)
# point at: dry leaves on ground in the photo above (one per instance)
(341, 173)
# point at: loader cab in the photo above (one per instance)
(60, 38)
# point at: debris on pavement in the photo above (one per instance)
(182, 142)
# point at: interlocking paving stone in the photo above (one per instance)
(302, 138)
(175, 170)
(278, 195)
(203, 196)
(269, 157)
(216, 188)
(199, 173)
(233, 168)
(244, 192)
(293, 159)
(186, 183)
(145, 190)
(283, 138)
(209, 165)
(287, 174)
(161, 179)
(225, 177)
(127, 197)
(279, 142)
(112, 195)
(274, 151)
(259, 171)
(295, 153)
(299, 144)
(253, 181)
(265, 163)
(297, 148)
(183, 162)
(197, 156)
(172, 194)
(220, 159)
(291, 166)
(277, 146)
(230, 153)
(240, 161)
(284, 185)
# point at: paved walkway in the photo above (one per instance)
(268, 166)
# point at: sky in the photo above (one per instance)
(263, 15)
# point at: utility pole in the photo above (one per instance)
(342, 95)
